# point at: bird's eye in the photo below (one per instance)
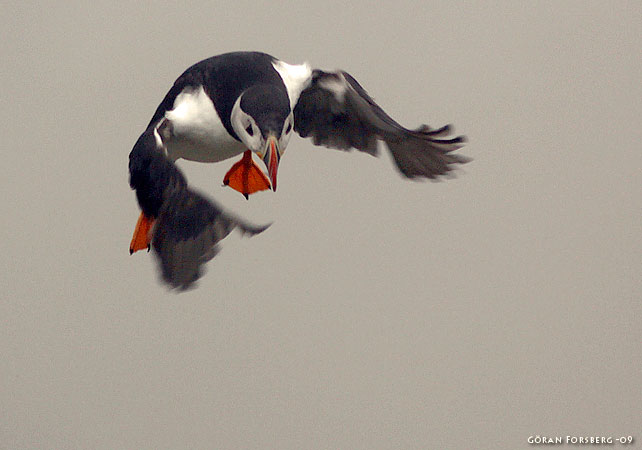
(249, 130)
(289, 128)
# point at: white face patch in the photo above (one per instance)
(288, 129)
(245, 127)
(296, 77)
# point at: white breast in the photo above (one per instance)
(197, 131)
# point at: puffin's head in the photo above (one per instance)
(263, 121)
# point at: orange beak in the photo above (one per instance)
(271, 159)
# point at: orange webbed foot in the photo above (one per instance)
(246, 177)
(142, 234)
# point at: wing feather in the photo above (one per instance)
(336, 112)
(188, 226)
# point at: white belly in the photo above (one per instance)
(197, 131)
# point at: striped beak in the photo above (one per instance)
(271, 159)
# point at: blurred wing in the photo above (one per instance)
(186, 235)
(338, 113)
(187, 225)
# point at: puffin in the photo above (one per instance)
(250, 103)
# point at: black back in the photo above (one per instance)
(224, 77)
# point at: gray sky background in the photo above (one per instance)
(375, 312)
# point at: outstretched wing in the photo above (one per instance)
(188, 226)
(186, 235)
(338, 113)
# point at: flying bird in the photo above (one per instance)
(251, 103)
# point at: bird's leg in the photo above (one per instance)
(246, 177)
(142, 234)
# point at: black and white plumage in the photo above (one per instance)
(250, 101)
(226, 104)
(187, 226)
(338, 113)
